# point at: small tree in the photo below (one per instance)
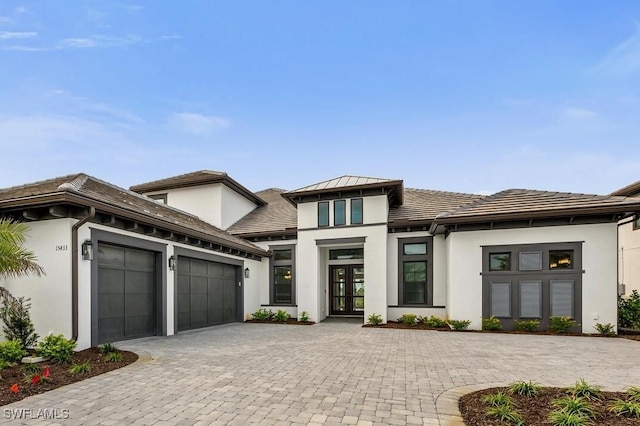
(14, 313)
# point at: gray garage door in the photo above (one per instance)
(126, 293)
(207, 293)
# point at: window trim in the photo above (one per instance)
(352, 222)
(335, 216)
(427, 258)
(272, 279)
(322, 204)
(636, 222)
(159, 197)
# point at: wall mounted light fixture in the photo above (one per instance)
(247, 273)
(87, 250)
(172, 263)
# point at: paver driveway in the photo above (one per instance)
(333, 372)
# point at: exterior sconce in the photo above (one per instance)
(172, 263)
(247, 273)
(87, 250)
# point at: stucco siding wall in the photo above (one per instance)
(234, 206)
(375, 209)
(203, 201)
(50, 294)
(629, 257)
(599, 288)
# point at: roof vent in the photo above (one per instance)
(67, 186)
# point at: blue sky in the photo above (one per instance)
(470, 96)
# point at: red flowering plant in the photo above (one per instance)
(14, 388)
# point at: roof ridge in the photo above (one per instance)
(38, 182)
(272, 189)
(445, 192)
(206, 171)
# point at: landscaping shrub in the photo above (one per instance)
(263, 314)
(629, 310)
(83, 367)
(574, 405)
(562, 324)
(11, 351)
(607, 329)
(459, 325)
(434, 321)
(491, 324)
(526, 325)
(566, 418)
(56, 347)
(107, 348)
(14, 313)
(506, 413)
(281, 316)
(522, 388)
(585, 390)
(625, 408)
(633, 393)
(375, 319)
(304, 316)
(113, 357)
(497, 399)
(408, 319)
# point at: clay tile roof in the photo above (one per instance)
(513, 204)
(424, 205)
(347, 183)
(631, 190)
(200, 177)
(105, 196)
(278, 216)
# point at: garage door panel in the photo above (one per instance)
(208, 303)
(136, 260)
(138, 325)
(139, 282)
(111, 281)
(198, 267)
(109, 255)
(126, 293)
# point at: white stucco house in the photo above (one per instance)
(200, 249)
(629, 245)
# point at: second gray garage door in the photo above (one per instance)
(207, 293)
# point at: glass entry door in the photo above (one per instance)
(346, 290)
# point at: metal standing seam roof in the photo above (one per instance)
(92, 189)
(200, 177)
(526, 203)
(341, 182)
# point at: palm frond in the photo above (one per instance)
(15, 260)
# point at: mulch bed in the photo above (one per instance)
(421, 326)
(60, 374)
(289, 321)
(535, 411)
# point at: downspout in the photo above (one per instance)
(74, 271)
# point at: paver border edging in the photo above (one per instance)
(143, 358)
(447, 402)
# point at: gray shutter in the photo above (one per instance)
(561, 298)
(530, 299)
(530, 261)
(501, 299)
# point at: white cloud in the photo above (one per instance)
(77, 42)
(624, 59)
(100, 40)
(5, 20)
(14, 35)
(579, 113)
(196, 124)
(171, 37)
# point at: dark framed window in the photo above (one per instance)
(636, 223)
(337, 254)
(415, 271)
(499, 261)
(161, 198)
(561, 259)
(356, 211)
(530, 260)
(339, 212)
(282, 265)
(323, 213)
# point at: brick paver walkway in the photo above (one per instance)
(333, 372)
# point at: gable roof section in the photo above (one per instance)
(423, 205)
(201, 177)
(277, 217)
(84, 190)
(393, 187)
(518, 204)
(631, 190)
